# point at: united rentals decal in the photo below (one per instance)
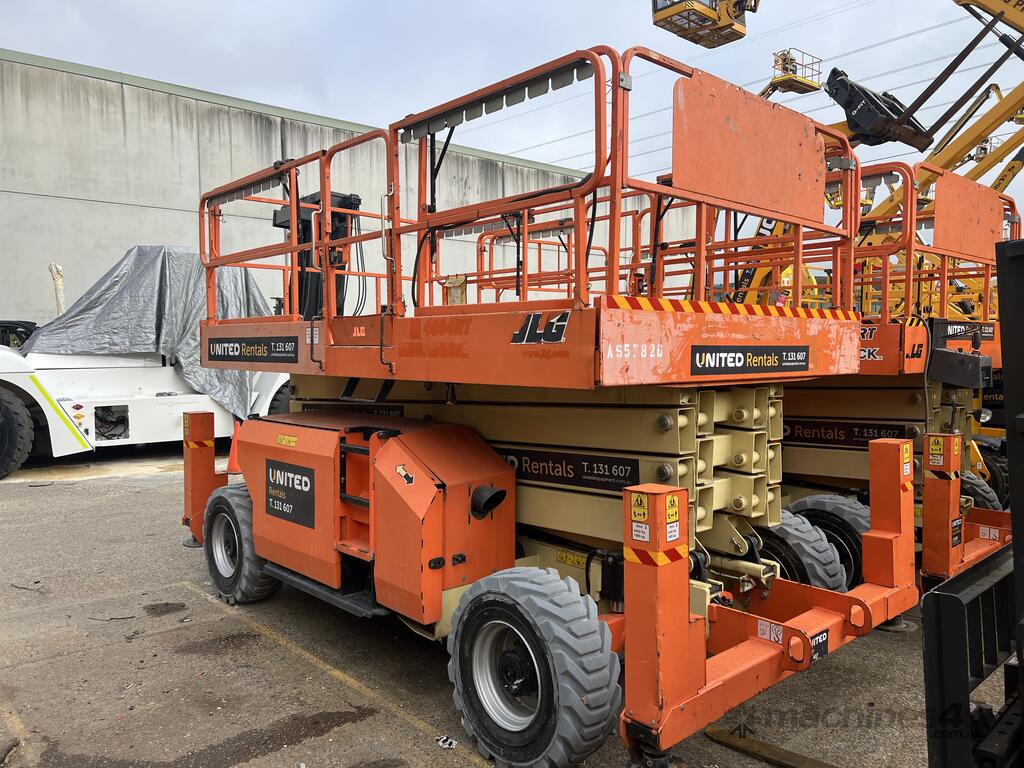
(290, 493)
(818, 432)
(533, 332)
(262, 349)
(993, 399)
(953, 329)
(580, 470)
(717, 360)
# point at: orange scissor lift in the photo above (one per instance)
(911, 283)
(378, 512)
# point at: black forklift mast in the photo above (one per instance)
(974, 623)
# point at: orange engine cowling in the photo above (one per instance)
(443, 505)
(340, 496)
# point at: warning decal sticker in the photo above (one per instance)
(767, 630)
(641, 532)
(672, 509)
(638, 508)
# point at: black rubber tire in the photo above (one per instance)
(979, 491)
(803, 552)
(843, 521)
(281, 401)
(579, 698)
(247, 583)
(999, 470)
(16, 432)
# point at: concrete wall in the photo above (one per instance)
(93, 162)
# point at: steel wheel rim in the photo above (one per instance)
(782, 557)
(225, 545)
(495, 641)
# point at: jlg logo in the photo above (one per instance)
(531, 331)
(916, 352)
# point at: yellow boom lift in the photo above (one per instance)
(709, 23)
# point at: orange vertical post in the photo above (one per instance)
(942, 534)
(889, 544)
(201, 478)
(657, 598)
(798, 267)
(700, 256)
(581, 291)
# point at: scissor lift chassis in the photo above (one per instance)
(778, 632)
(378, 512)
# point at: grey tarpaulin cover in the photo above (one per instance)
(152, 301)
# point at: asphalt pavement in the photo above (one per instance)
(115, 654)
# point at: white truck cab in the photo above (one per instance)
(63, 404)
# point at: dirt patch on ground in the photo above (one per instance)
(246, 746)
(212, 646)
(163, 609)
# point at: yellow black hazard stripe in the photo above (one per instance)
(644, 557)
(724, 308)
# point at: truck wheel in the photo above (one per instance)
(16, 432)
(281, 402)
(843, 521)
(999, 471)
(536, 682)
(803, 552)
(227, 543)
(979, 491)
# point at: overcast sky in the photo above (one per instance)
(374, 62)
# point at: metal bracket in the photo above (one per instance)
(625, 81)
(840, 164)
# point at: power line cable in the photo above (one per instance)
(786, 27)
(878, 44)
(660, 134)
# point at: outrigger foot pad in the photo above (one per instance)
(898, 624)
(648, 759)
(191, 543)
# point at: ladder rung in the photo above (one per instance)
(362, 502)
(362, 450)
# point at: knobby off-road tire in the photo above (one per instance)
(843, 521)
(281, 401)
(536, 682)
(236, 571)
(999, 469)
(16, 433)
(804, 553)
(980, 491)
